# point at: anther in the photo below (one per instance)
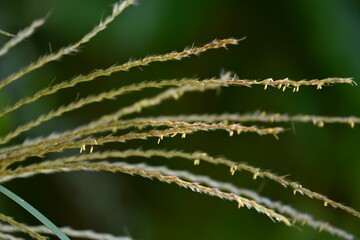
(240, 204)
(233, 169)
(352, 124)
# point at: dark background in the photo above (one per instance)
(296, 39)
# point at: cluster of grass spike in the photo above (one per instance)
(104, 130)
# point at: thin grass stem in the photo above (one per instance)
(117, 9)
(44, 220)
(20, 36)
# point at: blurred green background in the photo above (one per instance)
(296, 39)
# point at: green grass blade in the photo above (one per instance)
(34, 212)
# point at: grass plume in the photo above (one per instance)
(120, 127)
